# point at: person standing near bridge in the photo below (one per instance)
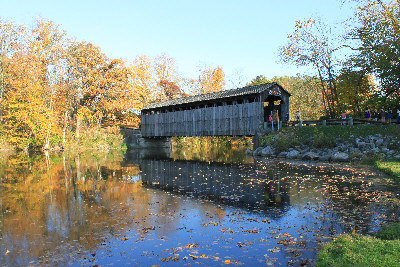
(343, 115)
(398, 116)
(389, 116)
(367, 114)
(298, 116)
(383, 114)
(375, 115)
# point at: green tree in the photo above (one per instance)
(355, 88)
(378, 52)
(260, 79)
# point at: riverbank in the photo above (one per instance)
(102, 139)
(94, 138)
(376, 145)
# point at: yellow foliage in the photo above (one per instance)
(212, 80)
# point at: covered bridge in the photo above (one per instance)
(236, 112)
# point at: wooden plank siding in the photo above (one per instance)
(226, 120)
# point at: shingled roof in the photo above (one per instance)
(248, 90)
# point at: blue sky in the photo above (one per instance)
(236, 35)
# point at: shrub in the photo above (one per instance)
(389, 232)
(285, 141)
(321, 140)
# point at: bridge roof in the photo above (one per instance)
(248, 90)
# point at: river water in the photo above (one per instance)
(146, 207)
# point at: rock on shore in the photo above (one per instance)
(355, 148)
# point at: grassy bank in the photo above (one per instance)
(390, 167)
(358, 250)
(93, 138)
(327, 136)
(96, 139)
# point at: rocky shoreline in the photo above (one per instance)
(355, 148)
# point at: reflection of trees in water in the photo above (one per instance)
(216, 149)
(50, 201)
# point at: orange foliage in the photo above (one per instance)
(171, 90)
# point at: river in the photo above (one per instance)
(154, 207)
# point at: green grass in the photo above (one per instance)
(389, 232)
(390, 167)
(357, 250)
(343, 131)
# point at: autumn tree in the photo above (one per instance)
(166, 75)
(143, 82)
(171, 90)
(11, 38)
(212, 80)
(312, 44)
(26, 113)
(48, 42)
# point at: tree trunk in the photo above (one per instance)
(2, 87)
(65, 126)
(324, 95)
(333, 88)
(78, 127)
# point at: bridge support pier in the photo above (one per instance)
(134, 140)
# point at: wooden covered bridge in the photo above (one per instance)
(237, 112)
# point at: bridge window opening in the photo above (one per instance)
(272, 107)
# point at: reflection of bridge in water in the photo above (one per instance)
(233, 184)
